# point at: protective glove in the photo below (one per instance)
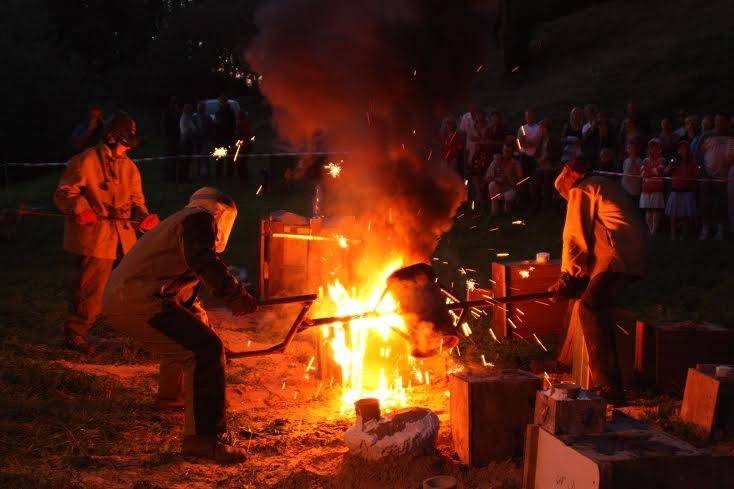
(244, 304)
(149, 222)
(568, 287)
(86, 217)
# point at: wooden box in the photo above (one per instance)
(664, 352)
(624, 337)
(624, 457)
(543, 317)
(579, 416)
(489, 413)
(708, 402)
(290, 263)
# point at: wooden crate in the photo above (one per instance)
(570, 416)
(624, 337)
(664, 352)
(624, 457)
(489, 413)
(544, 317)
(294, 266)
(708, 402)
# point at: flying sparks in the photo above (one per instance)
(220, 152)
(259, 190)
(334, 169)
(537, 340)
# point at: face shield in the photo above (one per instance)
(221, 207)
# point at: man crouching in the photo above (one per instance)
(152, 297)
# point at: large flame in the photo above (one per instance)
(374, 360)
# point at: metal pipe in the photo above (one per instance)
(288, 300)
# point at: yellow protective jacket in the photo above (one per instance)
(111, 188)
(604, 231)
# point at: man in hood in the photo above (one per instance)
(101, 192)
(152, 297)
(605, 247)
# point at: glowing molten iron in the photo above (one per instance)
(374, 361)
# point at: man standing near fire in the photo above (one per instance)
(101, 192)
(606, 246)
(152, 297)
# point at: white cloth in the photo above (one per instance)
(532, 135)
(632, 184)
(718, 155)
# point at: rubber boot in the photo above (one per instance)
(210, 447)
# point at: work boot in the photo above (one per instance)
(76, 342)
(212, 448)
(161, 404)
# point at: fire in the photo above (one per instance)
(374, 360)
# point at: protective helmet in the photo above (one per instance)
(221, 207)
(121, 129)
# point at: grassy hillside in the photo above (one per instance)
(665, 55)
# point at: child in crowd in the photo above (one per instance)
(681, 206)
(651, 198)
(501, 177)
(451, 145)
(631, 181)
(606, 160)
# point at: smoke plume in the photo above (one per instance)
(377, 77)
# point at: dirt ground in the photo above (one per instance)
(290, 422)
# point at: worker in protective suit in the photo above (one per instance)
(606, 246)
(152, 297)
(101, 191)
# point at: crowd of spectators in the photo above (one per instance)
(683, 168)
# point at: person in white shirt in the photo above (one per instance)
(528, 142)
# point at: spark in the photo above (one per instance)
(518, 223)
(522, 130)
(413, 132)
(522, 181)
(310, 363)
(520, 311)
(259, 190)
(466, 183)
(503, 254)
(471, 284)
(369, 121)
(472, 205)
(334, 169)
(516, 69)
(331, 382)
(295, 395)
(496, 196)
(479, 68)
(623, 330)
(537, 340)
(466, 329)
(458, 352)
(486, 363)
(494, 229)
(249, 342)
(494, 336)
(282, 386)
(430, 153)
(252, 138)
(519, 146)
(415, 72)
(524, 273)
(511, 323)
(440, 347)
(428, 378)
(238, 143)
(220, 152)
(546, 378)
(542, 303)
(474, 314)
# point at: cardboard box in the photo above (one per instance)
(708, 402)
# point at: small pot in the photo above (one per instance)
(368, 409)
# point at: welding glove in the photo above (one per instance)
(86, 217)
(244, 304)
(149, 222)
(568, 287)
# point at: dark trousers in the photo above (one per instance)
(87, 285)
(714, 203)
(544, 179)
(184, 343)
(596, 316)
(529, 190)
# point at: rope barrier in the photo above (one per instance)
(153, 158)
(685, 179)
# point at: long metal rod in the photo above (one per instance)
(288, 300)
(47, 213)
